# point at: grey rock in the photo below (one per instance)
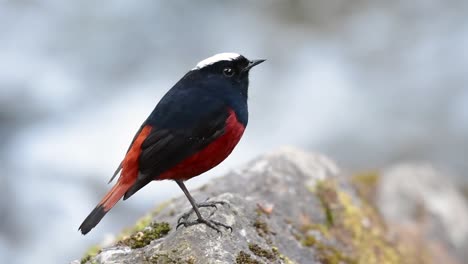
(421, 196)
(279, 179)
(279, 214)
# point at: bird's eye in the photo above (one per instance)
(228, 72)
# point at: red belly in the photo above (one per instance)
(211, 155)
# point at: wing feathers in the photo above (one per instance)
(164, 148)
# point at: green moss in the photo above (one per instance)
(309, 241)
(259, 212)
(143, 222)
(263, 253)
(263, 230)
(327, 253)
(144, 237)
(282, 257)
(244, 258)
(370, 178)
(323, 229)
(327, 197)
(353, 234)
(85, 259)
(261, 227)
(366, 184)
(91, 252)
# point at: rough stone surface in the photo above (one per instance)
(417, 196)
(285, 207)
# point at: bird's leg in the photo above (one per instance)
(183, 220)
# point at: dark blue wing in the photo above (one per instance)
(181, 126)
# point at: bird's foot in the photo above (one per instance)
(212, 204)
(210, 223)
(183, 220)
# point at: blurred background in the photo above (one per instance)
(368, 83)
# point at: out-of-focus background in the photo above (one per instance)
(369, 83)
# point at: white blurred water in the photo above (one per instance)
(366, 82)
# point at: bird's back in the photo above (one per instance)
(191, 100)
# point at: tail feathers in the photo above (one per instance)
(93, 219)
(111, 198)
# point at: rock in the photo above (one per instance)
(285, 207)
(420, 198)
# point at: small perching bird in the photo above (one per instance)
(194, 127)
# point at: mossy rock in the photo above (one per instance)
(245, 258)
(353, 232)
(143, 238)
(313, 215)
(91, 252)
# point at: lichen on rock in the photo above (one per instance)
(143, 238)
(351, 233)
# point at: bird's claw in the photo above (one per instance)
(210, 223)
(212, 204)
(183, 220)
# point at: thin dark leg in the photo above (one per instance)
(200, 220)
(190, 198)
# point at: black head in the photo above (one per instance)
(229, 70)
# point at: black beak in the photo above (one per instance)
(252, 63)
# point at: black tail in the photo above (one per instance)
(111, 198)
(93, 219)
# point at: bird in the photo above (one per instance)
(193, 128)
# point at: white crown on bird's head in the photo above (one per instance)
(226, 56)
